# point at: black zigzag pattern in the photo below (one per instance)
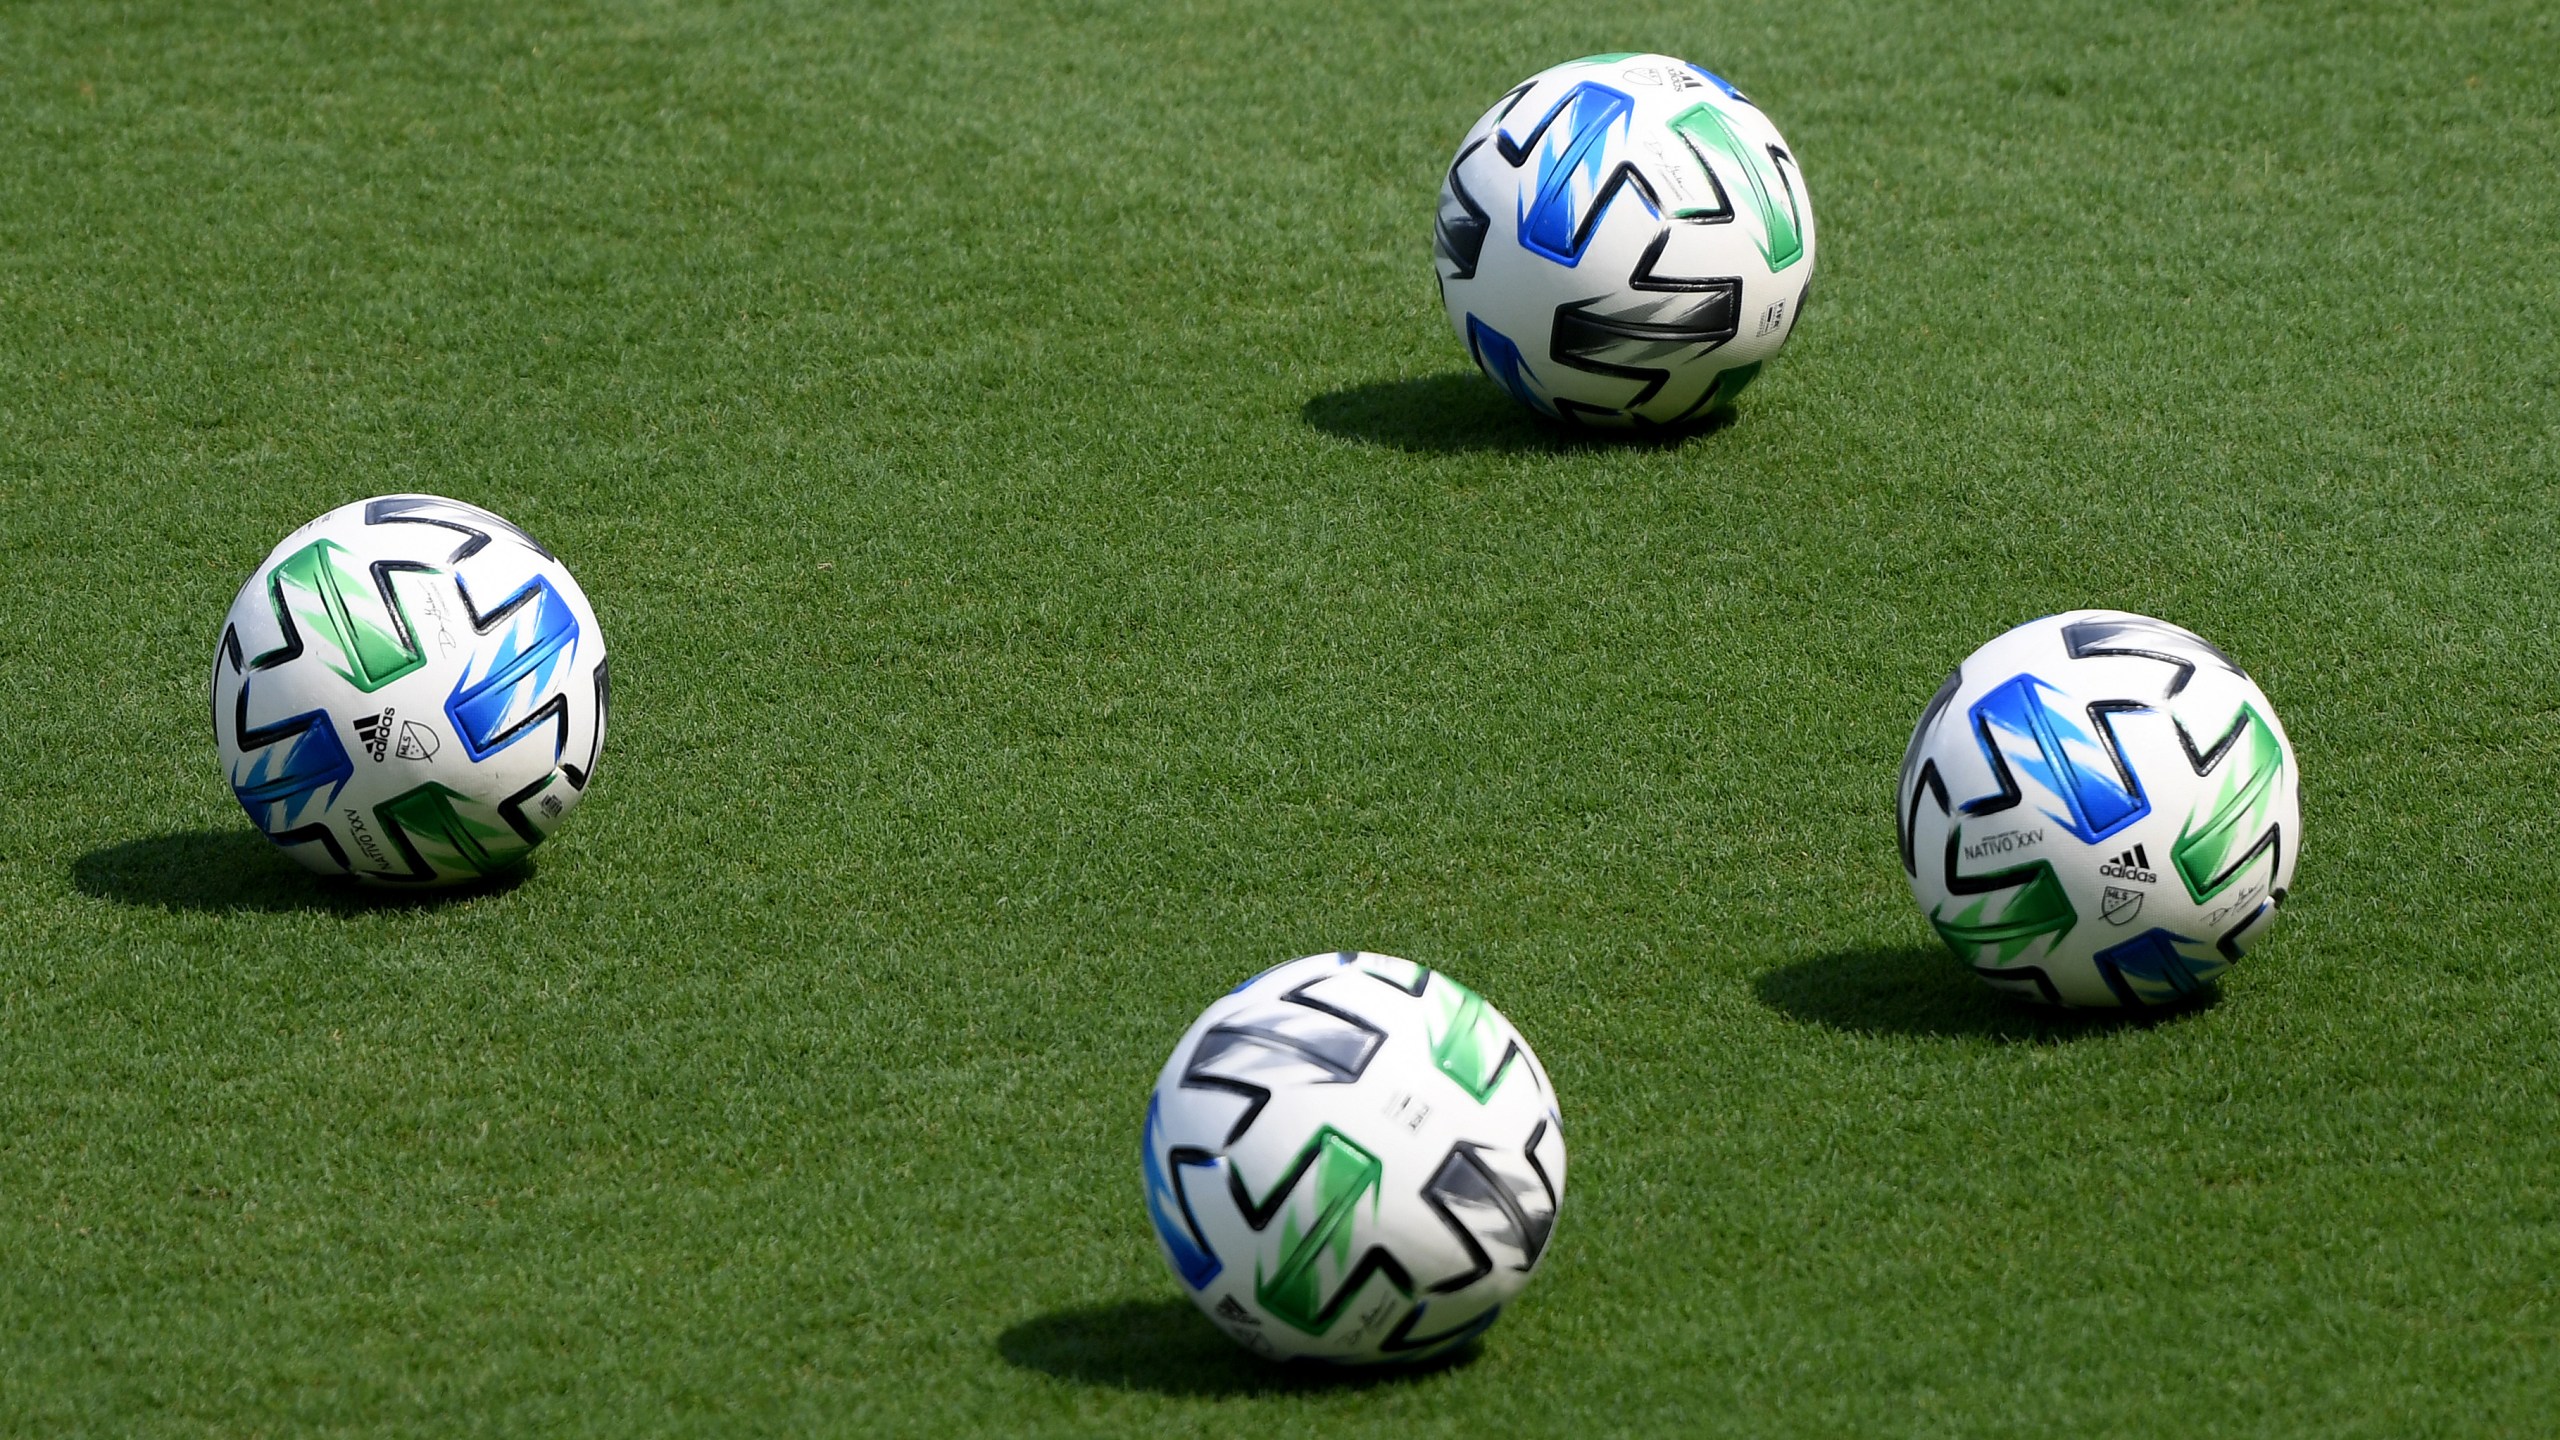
(1459, 237)
(1671, 318)
(1926, 779)
(475, 524)
(1466, 1180)
(1336, 1043)
(2126, 637)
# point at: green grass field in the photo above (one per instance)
(1057, 562)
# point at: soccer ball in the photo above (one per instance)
(1624, 240)
(1352, 1158)
(2099, 809)
(410, 690)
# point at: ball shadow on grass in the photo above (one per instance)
(1166, 1347)
(236, 871)
(1461, 412)
(1919, 990)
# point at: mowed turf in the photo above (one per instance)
(1056, 563)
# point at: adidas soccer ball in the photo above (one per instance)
(2099, 809)
(1352, 1158)
(410, 690)
(1624, 240)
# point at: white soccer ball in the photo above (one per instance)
(1352, 1158)
(1624, 240)
(2099, 809)
(410, 690)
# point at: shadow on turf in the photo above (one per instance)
(1164, 1346)
(234, 871)
(1461, 412)
(1918, 990)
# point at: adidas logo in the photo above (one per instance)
(2133, 865)
(1228, 1309)
(373, 732)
